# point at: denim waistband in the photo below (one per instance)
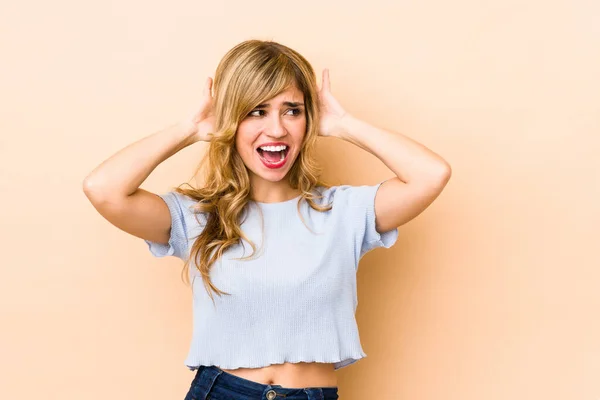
(207, 377)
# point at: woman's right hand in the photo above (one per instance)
(201, 123)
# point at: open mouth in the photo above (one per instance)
(273, 159)
(273, 156)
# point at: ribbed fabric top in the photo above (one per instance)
(296, 301)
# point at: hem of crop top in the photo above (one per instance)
(337, 364)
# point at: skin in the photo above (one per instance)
(273, 121)
(288, 375)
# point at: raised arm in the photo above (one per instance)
(113, 186)
(421, 174)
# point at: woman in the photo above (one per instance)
(283, 320)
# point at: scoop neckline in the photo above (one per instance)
(275, 204)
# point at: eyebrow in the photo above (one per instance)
(285, 103)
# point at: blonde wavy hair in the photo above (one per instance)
(249, 74)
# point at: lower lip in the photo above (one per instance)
(274, 165)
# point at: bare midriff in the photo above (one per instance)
(290, 375)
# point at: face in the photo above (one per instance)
(280, 121)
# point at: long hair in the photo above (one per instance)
(248, 75)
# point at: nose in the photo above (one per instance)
(275, 127)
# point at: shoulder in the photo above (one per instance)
(185, 200)
(348, 195)
(181, 200)
(186, 205)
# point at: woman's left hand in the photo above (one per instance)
(332, 113)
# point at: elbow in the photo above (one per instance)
(446, 172)
(87, 185)
(91, 189)
(442, 174)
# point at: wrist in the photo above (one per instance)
(186, 128)
(348, 125)
(186, 131)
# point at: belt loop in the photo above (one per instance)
(207, 379)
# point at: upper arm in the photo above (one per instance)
(398, 202)
(158, 219)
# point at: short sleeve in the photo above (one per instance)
(178, 242)
(358, 204)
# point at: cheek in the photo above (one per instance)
(247, 130)
(300, 129)
(244, 139)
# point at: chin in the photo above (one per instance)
(273, 177)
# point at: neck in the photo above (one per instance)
(273, 192)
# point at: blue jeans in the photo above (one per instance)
(212, 383)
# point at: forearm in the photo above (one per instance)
(409, 160)
(124, 172)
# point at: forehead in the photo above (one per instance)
(290, 94)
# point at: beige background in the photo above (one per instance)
(492, 293)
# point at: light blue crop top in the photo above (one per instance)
(296, 302)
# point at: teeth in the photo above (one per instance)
(280, 160)
(273, 148)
